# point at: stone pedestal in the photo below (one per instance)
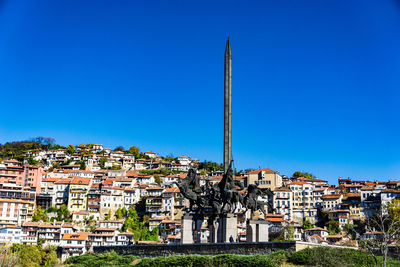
(227, 228)
(213, 232)
(256, 231)
(197, 232)
(187, 229)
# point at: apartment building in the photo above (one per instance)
(303, 202)
(265, 178)
(283, 202)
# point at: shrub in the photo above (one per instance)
(333, 257)
(108, 259)
(301, 257)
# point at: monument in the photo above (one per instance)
(227, 106)
(218, 202)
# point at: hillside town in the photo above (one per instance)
(78, 197)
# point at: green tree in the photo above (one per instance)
(307, 175)
(28, 255)
(134, 150)
(116, 167)
(102, 162)
(118, 214)
(210, 166)
(32, 161)
(66, 162)
(90, 223)
(333, 227)
(71, 149)
(387, 223)
(82, 165)
(108, 216)
(157, 179)
(307, 224)
(40, 215)
(63, 214)
(139, 228)
(49, 256)
(119, 148)
(287, 233)
(56, 165)
(124, 212)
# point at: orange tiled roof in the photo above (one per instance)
(78, 236)
(331, 196)
(63, 181)
(354, 195)
(172, 190)
(298, 183)
(282, 189)
(262, 170)
(50, 179)
(80, 180)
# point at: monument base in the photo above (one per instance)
(187, 229)
(213, 232)
(227, 228)
(256, 231)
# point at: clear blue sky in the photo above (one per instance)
(315, 83)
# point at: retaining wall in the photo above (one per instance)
(206, 249)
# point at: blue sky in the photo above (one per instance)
(315, 83)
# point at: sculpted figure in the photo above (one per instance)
(229, 195)
(190, 189)
(251, 201)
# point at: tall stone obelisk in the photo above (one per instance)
(228, 106)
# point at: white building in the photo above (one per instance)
(73, 245)
(303, 202)
(131, 197)
(283, 202)
(10, 234)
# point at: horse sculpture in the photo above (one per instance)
(221, 198)
(251, 201)
(190, 189)
(229, 195)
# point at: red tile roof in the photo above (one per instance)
(298, 183)
(262, 170)
(78, 236)
(80, 181)
(172, 190)
(331, 196)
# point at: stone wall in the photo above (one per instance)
(199, 249)
(302, 245)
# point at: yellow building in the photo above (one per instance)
(78, 190)
(352, 202)
(265, 178)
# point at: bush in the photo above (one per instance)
(220, 260)
(113, 259)
(108, 259)
(333, 257)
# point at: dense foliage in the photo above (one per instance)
(138, 226)
(109, 259)
(16, 150)
(320, 256)
(303, 174)
(30, 255)
(210, 166)
(159, 171)
(333, 257)
(113, 259)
